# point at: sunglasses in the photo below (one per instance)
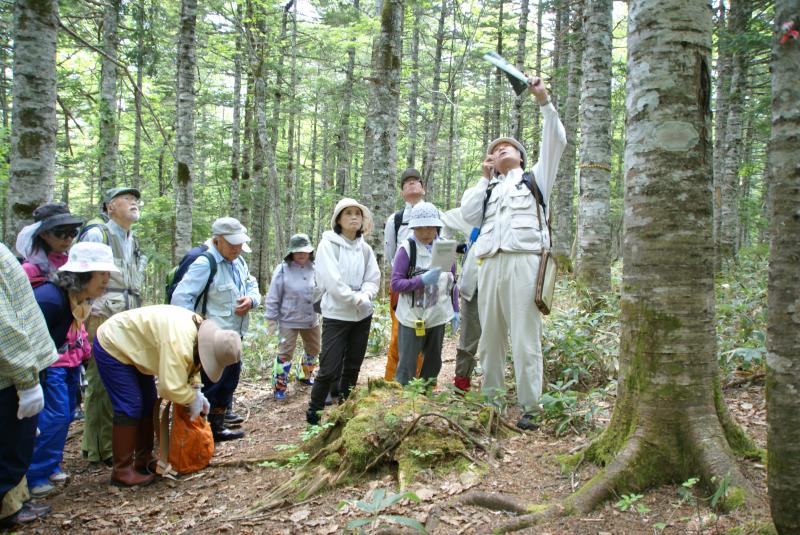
(64, 233)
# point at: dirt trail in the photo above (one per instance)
(218, 499)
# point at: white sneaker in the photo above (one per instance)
(40, 491)
(59, 477)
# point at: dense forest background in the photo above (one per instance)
(297, 104)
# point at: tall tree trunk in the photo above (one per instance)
(487, 108)
(313, 179)
(497, 101)
(245, 191)
(437, 111)
(537, 129)
(564, 189)
(184, 119)
(669, 422)
(593, 265)
(380, 139)
(236, 156)
(411, 153)
(136, 178)
(107, 132)
(326, 181)
(729, 179)
(724, 53)
(783, 323)
(4, 83)
(290, 177)
(522, 32)
(343, 133)
(259, 187)
(33, 123)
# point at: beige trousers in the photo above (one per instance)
(507, 287)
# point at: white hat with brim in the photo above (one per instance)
(424, 214)
(218, 348)
(90, 256)
(231, 230)
(366, 225)
(510, 141)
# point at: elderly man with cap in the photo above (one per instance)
(121, 209)
(513, 233)
(165, 341)
(26, 349)
(231, 295)
(395, 233)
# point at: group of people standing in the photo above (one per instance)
(82, 301)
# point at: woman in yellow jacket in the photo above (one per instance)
(168, 341)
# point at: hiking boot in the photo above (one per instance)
(528, 422)
(308, 367)
(221, 433)
(42, 490)
(312, 417)
(144, 460)
(58, 477)
(279, 395)
(232, 418)
(462, 384)
(27, 514)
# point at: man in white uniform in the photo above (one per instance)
(508, 250)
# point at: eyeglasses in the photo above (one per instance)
(64, 233)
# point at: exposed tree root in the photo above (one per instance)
(494, 502)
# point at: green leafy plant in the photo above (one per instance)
(313, 430)
(297, 459)
(377, 519)
(628, 501)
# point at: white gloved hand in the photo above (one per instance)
(431, 277)
(363, 303)
(31, 402)
(199, 405)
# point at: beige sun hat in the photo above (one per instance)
(366, 225)
(231, 230)
(90, 256)
(218, 348)
(511, 141)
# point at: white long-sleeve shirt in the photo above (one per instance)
(511, 209)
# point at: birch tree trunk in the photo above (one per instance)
(380, 139)
(184, 142)
(497, 100)
(669, 421)
(343, 133)
(564, 189)
(107, 133)
(516, 110)
(723, 72)
(245, 191)
(411, 154)
(731, 151)
(33, 122)
(593, 266)
(290, 178)
(136, 177)
(536, 115)
(235, 203)
(437, 111)
(783, 329)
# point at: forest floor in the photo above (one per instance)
(219, 499)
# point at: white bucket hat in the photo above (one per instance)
(90, 256)
(231, 230)
(366, 225)
(424, 214)
(218, 348)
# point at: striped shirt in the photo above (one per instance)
(25, 344)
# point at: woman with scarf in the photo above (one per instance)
(65, 303)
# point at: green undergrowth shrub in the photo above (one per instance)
(741, 299)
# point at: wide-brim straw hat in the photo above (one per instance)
(366, 225)
(218, 348)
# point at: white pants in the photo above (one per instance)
(507, 283)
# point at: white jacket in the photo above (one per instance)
(344, 269)
(433, 303)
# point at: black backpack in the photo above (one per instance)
(177, 273)
(398, 222)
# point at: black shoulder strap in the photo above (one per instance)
(212, 264)
(412, 257)
(529, 180)
(398, 222)
(486, 198)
